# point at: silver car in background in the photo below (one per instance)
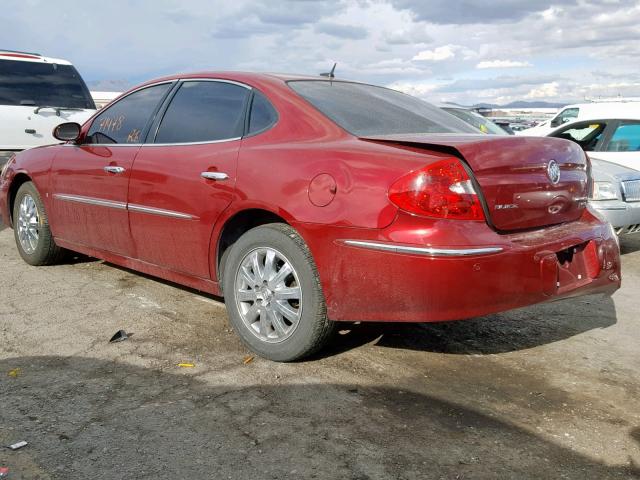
(616, 195)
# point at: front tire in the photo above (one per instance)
(31, 228)
(273, 294)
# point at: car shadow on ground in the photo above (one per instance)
(506, 332)
(86, 418)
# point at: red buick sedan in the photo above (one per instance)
(306, 201)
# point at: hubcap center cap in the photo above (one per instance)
(264, 295)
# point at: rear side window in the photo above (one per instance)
(366, 110)
(262, 116)
(126, 120)
(204, 112)
(42, 84)
(626, 138)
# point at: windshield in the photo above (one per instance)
(365, 110)
(472, 118)
(42, 84)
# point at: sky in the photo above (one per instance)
(494, 51)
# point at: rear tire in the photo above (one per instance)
(31, 228)
(273, 294)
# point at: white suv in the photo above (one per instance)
(36, 94)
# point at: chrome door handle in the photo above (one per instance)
(214, 175)
(110, 169)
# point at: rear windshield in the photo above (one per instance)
(42, 84)
(366, 110)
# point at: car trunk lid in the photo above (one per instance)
(516, 175)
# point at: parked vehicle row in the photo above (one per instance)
(585, 111)
(306, 200)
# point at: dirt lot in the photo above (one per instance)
(547, 392)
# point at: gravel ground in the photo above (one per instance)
(544, 392)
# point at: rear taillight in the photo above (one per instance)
(442, 190)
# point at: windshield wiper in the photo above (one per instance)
(57, 109)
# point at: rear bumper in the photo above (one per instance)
(403, 274)
(624, 216)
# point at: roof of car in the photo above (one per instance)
(30, 57)
(248, 77)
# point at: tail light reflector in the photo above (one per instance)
(441, 190)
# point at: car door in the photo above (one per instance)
(622, 146)
(183, 178)
(90, 180)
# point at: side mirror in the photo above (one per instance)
(67, 132)
(556, 122)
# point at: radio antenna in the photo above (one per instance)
(330, 74)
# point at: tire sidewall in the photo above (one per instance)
(303, 337)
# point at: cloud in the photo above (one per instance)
(502, 64)
(451, 50)
(438, 54)
(352, 32)
(410, 36)
(472, 11)
(546, 90)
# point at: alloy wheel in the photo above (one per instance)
(268, 294)
(28, 224)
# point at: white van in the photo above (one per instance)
(36, 94)
(585, 111)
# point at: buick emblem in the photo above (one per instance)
(553, 171)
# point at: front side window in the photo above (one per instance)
(126, 120)
(42, 84)
(366, 110)
(204, 111)
(626, 138)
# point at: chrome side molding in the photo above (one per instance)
(425, 251)
(122, 206)
(90, 201)
(159, 211)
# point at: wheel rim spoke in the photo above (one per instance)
(255, 264)
(288, 293)
(278, 324)
(247, 295)
(280, 277)
(268, 294)
(286, 311)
